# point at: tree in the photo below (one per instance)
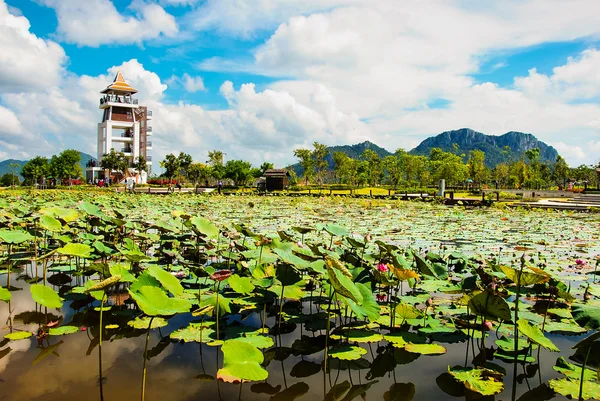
(374, 166)
(476, 166)
(171, 165)
(184, 162)
(320, 164)
(307, 162)
(140, 164)
(13, 170)
(239, 171)
(447, 166)
(560, 170)
(35, 169)
(393, 168)
(501, 174)
(9, 179)
(198, 172)
(215, 158)
(66, 165)
(115, 161)
(264, 167)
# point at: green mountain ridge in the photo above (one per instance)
(466, 139)
(5, 164)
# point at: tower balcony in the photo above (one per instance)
(119, 101)
(149, 145)
(148, 131)
(149, 115)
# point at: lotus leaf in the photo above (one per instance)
(168, 281)
(198, 332)
(587, 315)
(5, 295)
(347, 352)
(490, 305)
(570, 388)
(45, 296)
(241, 362)
(535, 335)
(142, 323)
(153, 301)
(573, 372)
(73, 249)
(49, 223)
(63, 330)
(14, 236)
(18, 335)
(482, 381)
(425, 349)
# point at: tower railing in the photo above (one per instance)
(118, 99)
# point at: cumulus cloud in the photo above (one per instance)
(97, 22)
(188, 82)
(26, 62)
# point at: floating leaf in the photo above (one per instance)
(198, 332)
(241, 362)
(572, 371)
(18, 335)
(5, 295)
(425, 349)
(587, 315)
(204, 227)
(482, 381)
(141, 323)
(63, 330)
(570, 388)
(347, 352)
(45, 296)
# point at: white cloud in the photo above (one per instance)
(97, 22)
(189, 83)
(26, 61)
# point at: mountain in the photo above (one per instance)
(5, 164)
(353, 151)
(492, 145)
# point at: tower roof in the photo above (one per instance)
(119, 85)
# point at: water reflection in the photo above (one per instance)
(66, 367)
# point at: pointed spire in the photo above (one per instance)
(120, 85)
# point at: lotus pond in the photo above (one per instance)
(182, 297)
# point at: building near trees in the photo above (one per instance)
(124, 128)
(276, 179)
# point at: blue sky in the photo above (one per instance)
(258, 79)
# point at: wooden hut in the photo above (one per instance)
(276, 179)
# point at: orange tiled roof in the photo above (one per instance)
(120, 85)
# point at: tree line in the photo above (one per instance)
(403, 169)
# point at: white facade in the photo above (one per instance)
(124, 128)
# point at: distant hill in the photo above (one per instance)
(353, 151)
(492, 145)
(5, 164)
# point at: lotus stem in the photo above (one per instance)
(217, 310)
(280, 308)
(583, 372)
(145, 358)
(516, 330)
(100, 346)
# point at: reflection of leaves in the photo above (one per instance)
(158, 348)
(336, 392)
(307, 345)
(5, 352)
(382, 364)
(540, 393)
(400, 392)
(358, 390)
(47, 351)
(291, 393)
(305, 369)
(265, 388)
(448, 385)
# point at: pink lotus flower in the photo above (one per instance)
(488, 325)
(579, 262)
(381, 297)
(382, 267)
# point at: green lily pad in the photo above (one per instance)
(425, 349)
(482, 381)
(18, 335)
(195, 332)
(63, 330)
(573, 372)
(141, 323)
(241, 362)
(347, 352)
(167, 280)
(257, 341)
(570, 388)
(5, 295)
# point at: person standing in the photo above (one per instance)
(220, 187)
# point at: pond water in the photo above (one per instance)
(67, 367)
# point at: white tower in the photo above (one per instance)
(124, 128)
